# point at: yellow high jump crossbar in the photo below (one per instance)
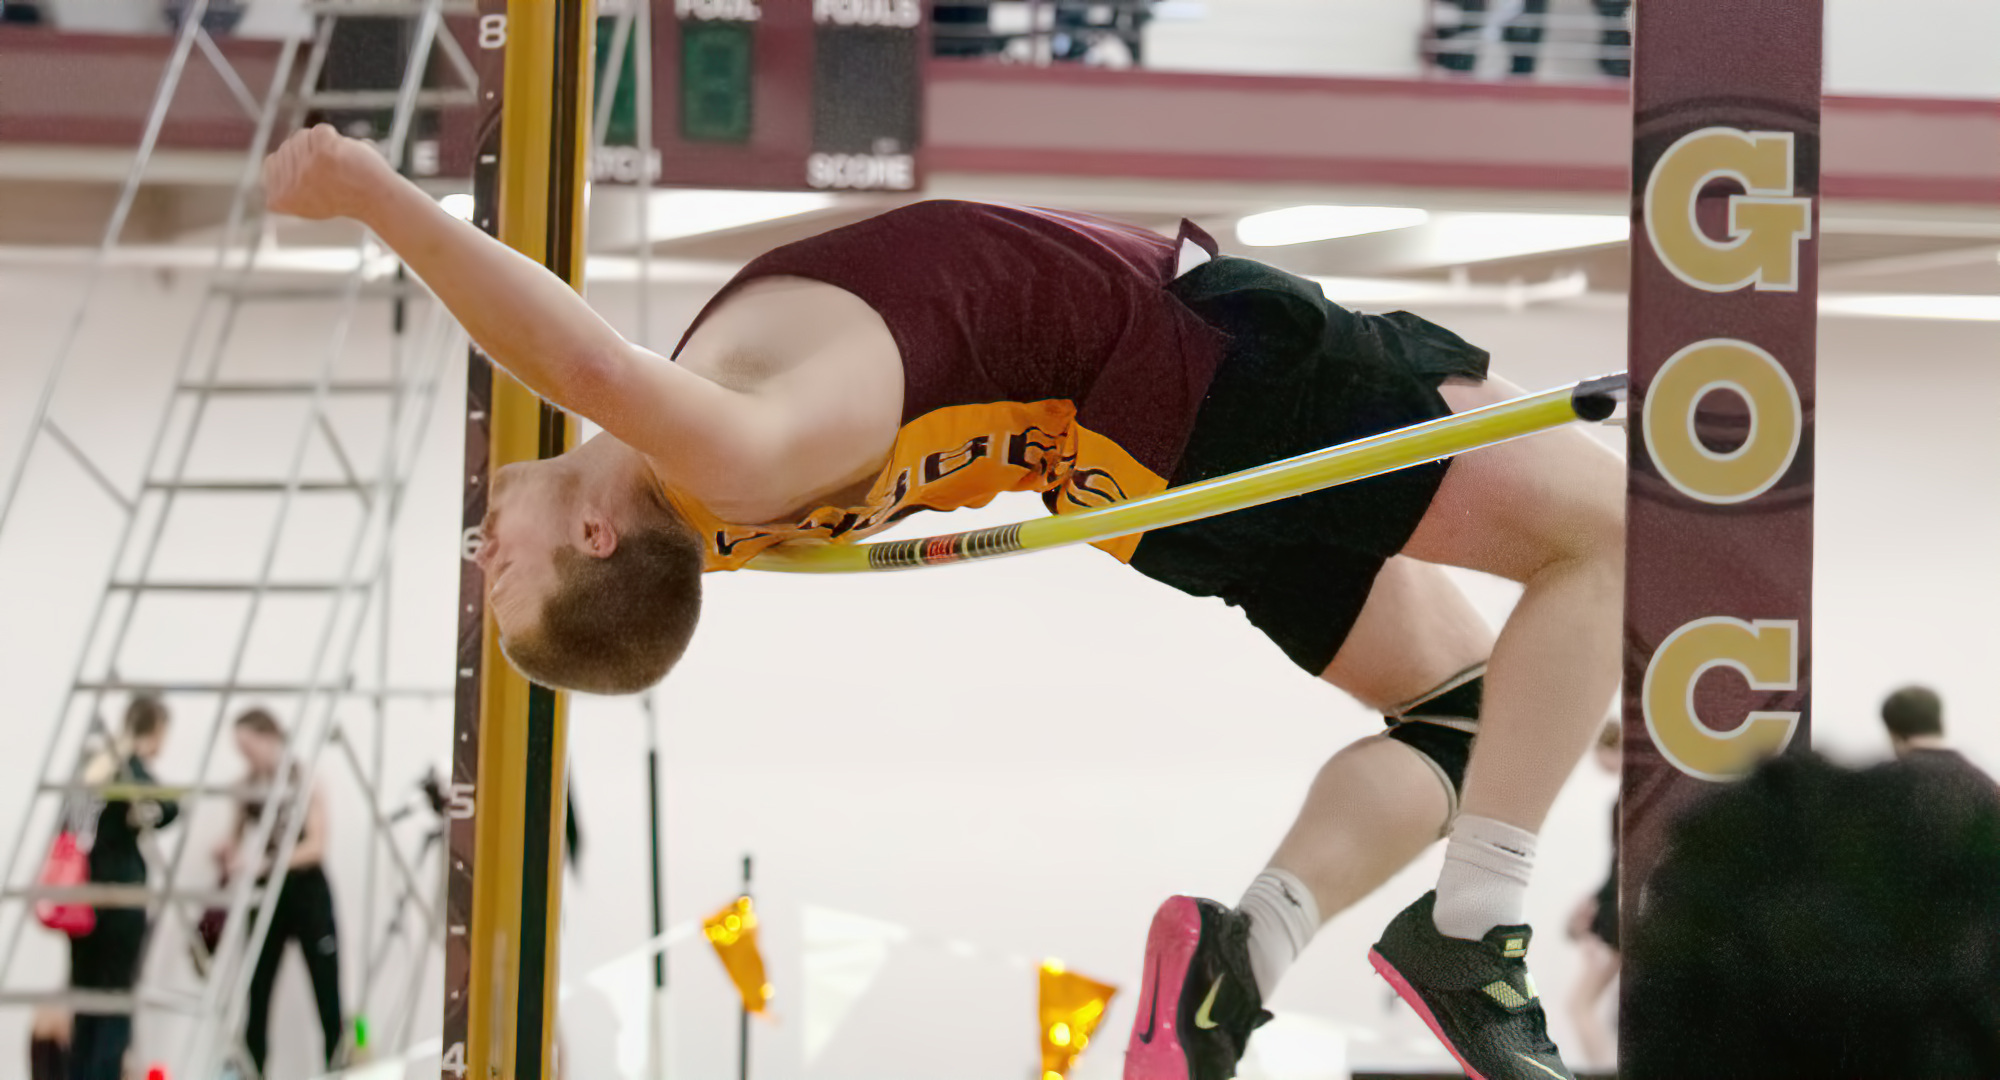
(1589, 400)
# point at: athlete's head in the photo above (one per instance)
(1914, 712)
(594, 580)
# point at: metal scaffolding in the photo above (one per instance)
(374, 482)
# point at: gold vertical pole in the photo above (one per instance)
(522, 752)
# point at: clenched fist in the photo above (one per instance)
(319, 173)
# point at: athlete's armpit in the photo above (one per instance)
(726, 448)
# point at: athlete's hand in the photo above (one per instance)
(320, 173)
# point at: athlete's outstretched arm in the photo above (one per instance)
(530, 321)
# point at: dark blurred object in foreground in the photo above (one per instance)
(1816, 922)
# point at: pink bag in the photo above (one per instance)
(67, 866)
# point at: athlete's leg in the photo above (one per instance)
(1377, 804)
(1373, 808)
(1416, 630)
(1548, 512)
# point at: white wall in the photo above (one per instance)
(1288, 37)
(1904, 528)
(1923, 48)
(1027, 754)
(1915, 48)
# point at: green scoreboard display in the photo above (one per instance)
(717, 81)
(813, 95)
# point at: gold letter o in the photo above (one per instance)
(1776, 421)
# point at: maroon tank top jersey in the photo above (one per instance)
(1041, 352)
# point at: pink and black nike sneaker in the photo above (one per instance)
(1199, 1002)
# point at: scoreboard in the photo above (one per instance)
(778, 95)
(815, 95)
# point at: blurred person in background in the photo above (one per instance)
(1461, 26)
(48, 1045)
(1617, 35)
(1594, 926)
(304, 897)
(1914, 716)
(106, 960)
(1812, 921)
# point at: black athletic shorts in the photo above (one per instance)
(1300, 373)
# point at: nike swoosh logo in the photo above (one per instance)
(1538, 1065)
(1201, 1018)
(1153, 1017)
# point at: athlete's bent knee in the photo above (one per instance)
(1592, 530)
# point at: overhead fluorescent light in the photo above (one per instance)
(1457, 239)
(1913, 306)
(676, 214)
(1373, 292)
(1305, 224)
(458, 205)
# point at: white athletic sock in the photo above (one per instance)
(1283, 919)
(1487, 864)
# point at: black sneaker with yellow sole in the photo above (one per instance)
(1476, 996)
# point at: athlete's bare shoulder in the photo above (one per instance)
(771, 326)
(816, 352)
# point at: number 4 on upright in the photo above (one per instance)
(454, 1059)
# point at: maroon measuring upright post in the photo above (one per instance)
(1724, 298)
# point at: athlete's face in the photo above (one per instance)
(527, 518)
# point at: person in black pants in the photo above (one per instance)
(48, 1045)
(1594, 926)
(304, 898)
(106, 960)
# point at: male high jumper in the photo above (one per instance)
(939, 354)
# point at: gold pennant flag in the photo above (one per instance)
(733, 932)
(1071, 1007)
